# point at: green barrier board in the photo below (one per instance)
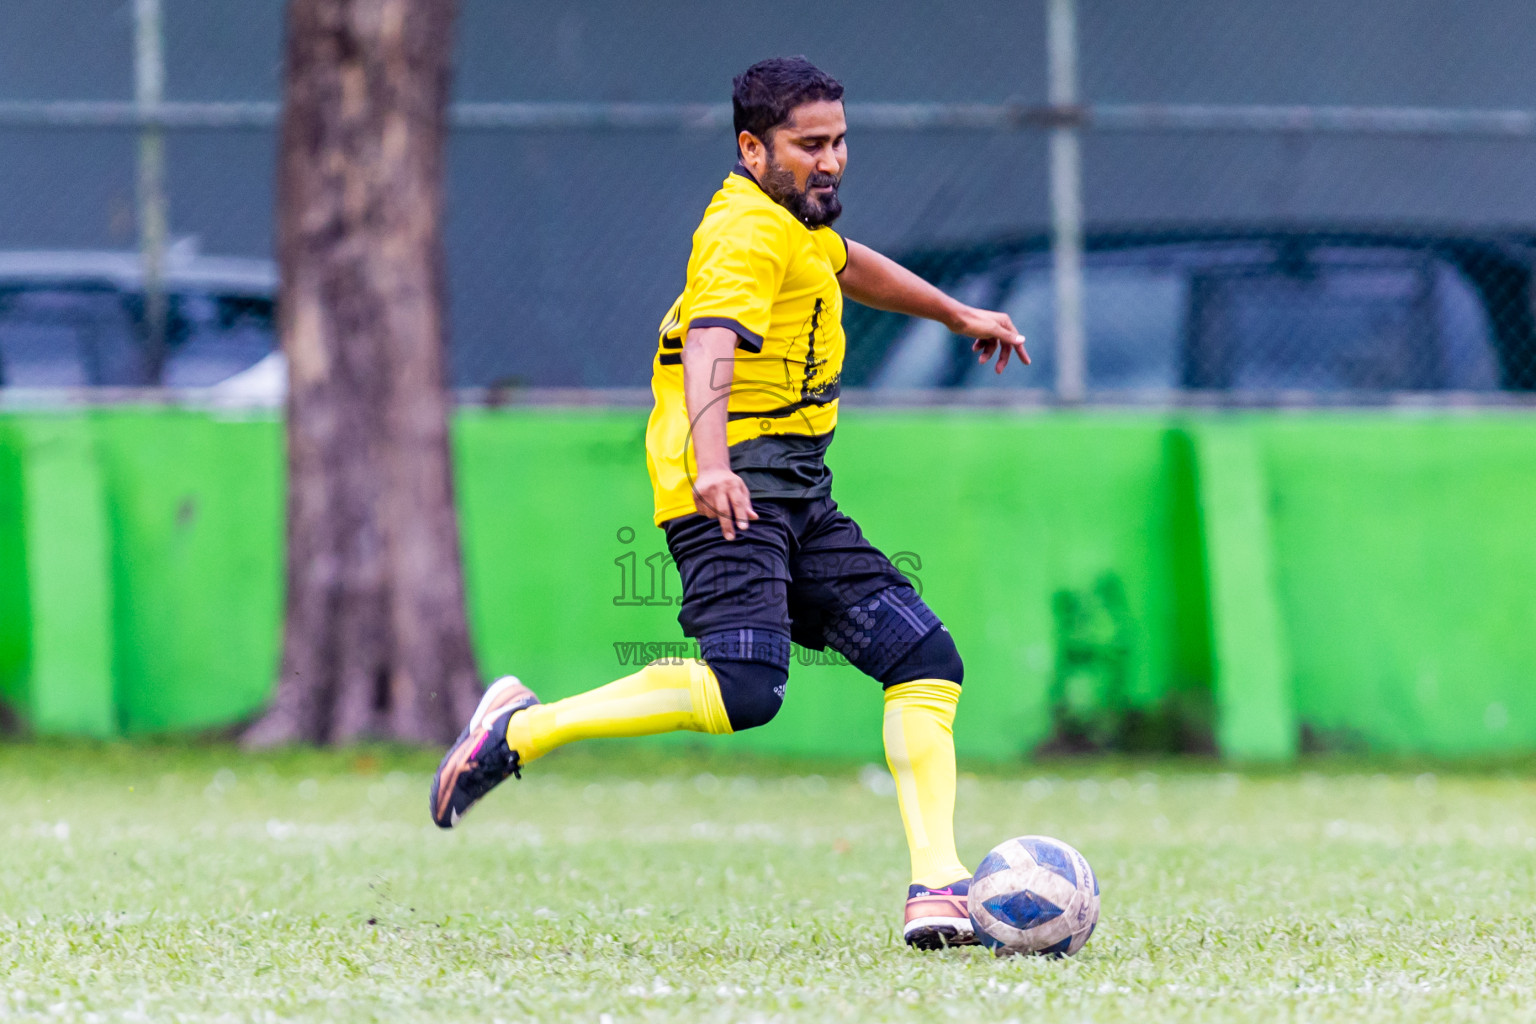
(15, 616)
(1255, 716)
(1406, 561)
(1338, 581)
(68, 579)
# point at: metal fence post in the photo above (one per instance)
(1066, 203)
(149, 93)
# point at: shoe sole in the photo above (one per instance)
(461, 752)
(938, 932)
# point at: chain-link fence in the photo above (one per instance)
(1205, 201)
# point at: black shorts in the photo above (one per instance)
(804, 570)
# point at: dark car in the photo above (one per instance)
(76, 319)
(1254, 311)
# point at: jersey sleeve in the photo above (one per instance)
(739, 266)
(836, 248)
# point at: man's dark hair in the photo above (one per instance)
(763, 95)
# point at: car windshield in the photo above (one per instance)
(84, 334)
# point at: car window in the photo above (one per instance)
(1466, 334)
(81, 335)
(1133, 316)
(1337, 318)
(67, 337)
(215, 337)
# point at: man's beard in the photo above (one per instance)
(811, 210)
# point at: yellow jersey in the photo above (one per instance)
(758, 271)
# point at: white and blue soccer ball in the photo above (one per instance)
(1034, 894)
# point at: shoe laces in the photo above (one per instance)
(495, 760)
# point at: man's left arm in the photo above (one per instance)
(875, 280)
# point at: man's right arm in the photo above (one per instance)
(709, 354)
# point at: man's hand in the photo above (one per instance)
(722, 495)
(994, 333)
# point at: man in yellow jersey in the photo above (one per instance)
(746, 375)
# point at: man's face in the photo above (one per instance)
(803, 161)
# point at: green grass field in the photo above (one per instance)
(631, 884)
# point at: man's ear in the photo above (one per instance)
(754, 154)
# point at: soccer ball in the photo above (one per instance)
(1034, 894)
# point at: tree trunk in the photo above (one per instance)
(375, 638)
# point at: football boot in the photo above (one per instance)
(479, 759)
(939, 917)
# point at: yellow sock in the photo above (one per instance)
(665, 696)
(920, 749)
